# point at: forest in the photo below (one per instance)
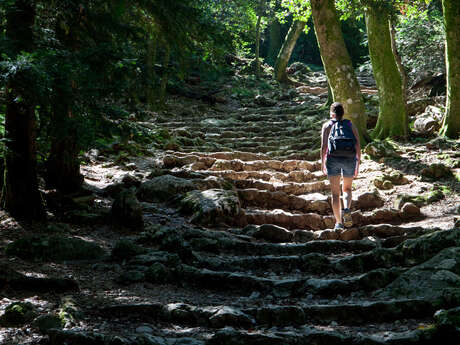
(162, 177)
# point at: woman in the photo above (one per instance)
(340, 156)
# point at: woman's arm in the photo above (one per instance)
(324, 135)
(357, 147)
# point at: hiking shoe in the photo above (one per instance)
(338, 226)
(346, 217)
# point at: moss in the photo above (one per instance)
(56, 248)
(125, 249)
(18, 314)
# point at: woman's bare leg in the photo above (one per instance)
(335, 189)
(346, 190)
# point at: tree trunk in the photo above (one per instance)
(451, 123)
(286, 50)
(259, 19)
(165, 76)
(20, 194)
(150, 61)
(392, 120)
(63, 166)
(337, 63)
(401, 69)
(274, 44)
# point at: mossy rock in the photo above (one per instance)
(380, 149)
(158, 273)
(125, 249)
(418, 200)
(448, 319)
(437, 171)
(18, 314)
(383, 183)
(54, 248)
(48, 321)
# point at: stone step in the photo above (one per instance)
(293, 188)
(238, 162)
(313, 221)
(308, 335)
(273, 315)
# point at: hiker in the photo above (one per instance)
(340, 156)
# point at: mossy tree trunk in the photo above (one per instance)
(451, 123)
(259, 20)
(286, 50)
(63, 165)
(392, 120)
(398, 58)
(20, 194)
(274, 43)
(337, 63)
(150, 61)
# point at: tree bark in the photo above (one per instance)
(392, 120)
(62, 165)
(401, 69)
(337, 63)
(451, 123)
(274, 44)
(150, 61)
(286, 50)
(259, 19)
(20, 194)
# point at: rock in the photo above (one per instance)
(17, 314)
(437, 171)
(350, 234)
(144, 329)
(448, 320)
(370, 200)
(409, 210)
(402, 199)
(129, 181)
(426, 124)
(382, 183)
(429, 280)
(397, 178)
(379, 149)
(274, 233)
(127, 210)
(212, 206)
(228, 316)
(223, 164)
(125, 249)
(158, 273)
(302, 236)
(48, 321)
(54, 248)
(163, 188)
(264, 101)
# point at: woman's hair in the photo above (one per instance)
(337, 109)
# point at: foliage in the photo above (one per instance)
(425, 34)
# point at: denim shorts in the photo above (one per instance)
(337, 166)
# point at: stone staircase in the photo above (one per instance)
(274, 271)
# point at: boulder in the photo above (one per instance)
(426, 124)
(17, 314)
(125, 249)
(263, 101)
(228, 316)
(429, 280)
(382, 183)
(48, 321)
(302, 236)
(409, 210)
(54, 248)
(212, 206)
(127, 210)
(370, 200)
(437, 171)
(273, 233)
(163, 188)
